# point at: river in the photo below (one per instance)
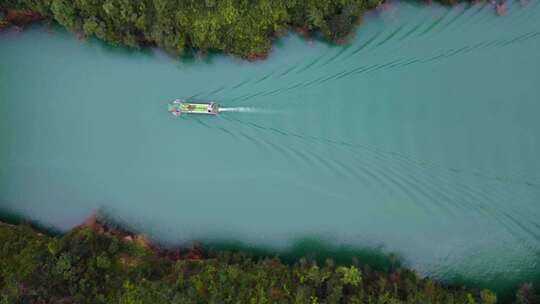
(418, 138)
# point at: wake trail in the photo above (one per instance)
(243, 110)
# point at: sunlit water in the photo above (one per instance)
(420, 138)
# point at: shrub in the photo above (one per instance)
(85, 266)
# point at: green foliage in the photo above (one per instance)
(3, 23)
(88, 267)
(488, 297)
(241, 27)
(351, 275)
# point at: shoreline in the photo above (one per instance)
(127, 237)
(95, 237)
(334, 27)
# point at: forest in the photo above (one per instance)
(244, 28)
(95, 263)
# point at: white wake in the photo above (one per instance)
(241, 109)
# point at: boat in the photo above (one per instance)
(180, 106)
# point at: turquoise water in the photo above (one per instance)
(418, 138)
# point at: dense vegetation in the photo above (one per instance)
(94, 264)
(241, 27)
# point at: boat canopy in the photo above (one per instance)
(179, 106)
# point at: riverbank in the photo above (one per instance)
(390, 165)
(97, 263)
(244, 29)
(19, 18)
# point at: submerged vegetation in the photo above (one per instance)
(96, 264)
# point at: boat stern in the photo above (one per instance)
(213, 108)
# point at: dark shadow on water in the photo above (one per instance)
(190, 57)
(311, 247)
(315, 249)
(13, 218)
(119, 50)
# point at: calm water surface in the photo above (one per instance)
(420, 138)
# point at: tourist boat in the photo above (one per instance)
(179, 106)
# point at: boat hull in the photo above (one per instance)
(178, 107)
